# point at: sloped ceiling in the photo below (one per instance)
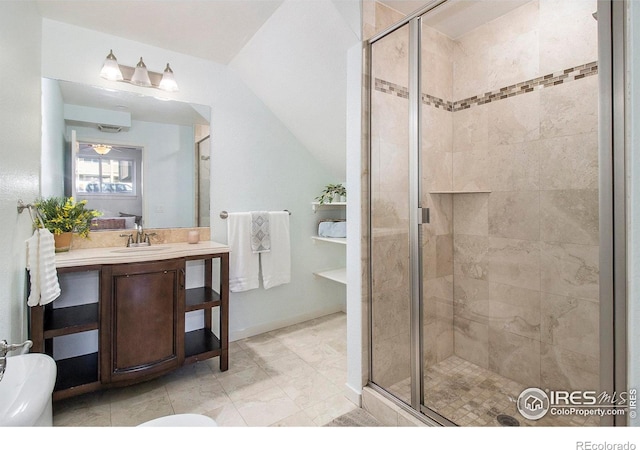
(296, 63)
(210, 29)
(291, 53)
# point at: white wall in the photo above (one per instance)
(20, 154)
(296, 63)
(256, 164)
(633, 199)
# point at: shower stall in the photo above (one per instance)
(484, 231)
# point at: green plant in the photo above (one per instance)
(329, 191)
(63, 214)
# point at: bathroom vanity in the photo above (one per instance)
(134, 301)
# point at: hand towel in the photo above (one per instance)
(276, 265)
(260, 235)
(41, 262)
(243, 263)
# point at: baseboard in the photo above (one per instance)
(353, 395)
(236, 335)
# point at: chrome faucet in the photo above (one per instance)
(5, 348)
(142, 239)
(140, 235)
(129, 239)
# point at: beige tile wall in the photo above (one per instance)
(510, 277)
(526, 255)
(437, 170)
(390, 307)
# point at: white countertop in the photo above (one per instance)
(123, 255)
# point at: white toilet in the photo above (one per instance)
(181, 420)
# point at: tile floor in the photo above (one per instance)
(294, 376)
(469, 395)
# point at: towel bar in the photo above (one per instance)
(225, 214)
(31, 208)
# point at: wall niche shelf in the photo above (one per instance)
(337, 275)
(460, 192)
(315, 206)
(339, 212)
(342, 241)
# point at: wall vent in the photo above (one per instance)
(109, 128)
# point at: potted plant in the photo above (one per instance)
(332, 193)
(63, 216)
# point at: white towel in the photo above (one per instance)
(41, 262)
(243, 263)
(276, 265)
(260, 234)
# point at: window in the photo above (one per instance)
(100, 175)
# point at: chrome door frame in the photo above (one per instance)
(612, 200)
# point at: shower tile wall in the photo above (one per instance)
(390, 305)
(525, 256)
(376, 17)
(437, 237)
(511, 276)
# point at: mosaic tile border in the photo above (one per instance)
(391, 88)
(545, 81)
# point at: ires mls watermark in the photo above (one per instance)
(534, 403)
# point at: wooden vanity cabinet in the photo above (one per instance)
(137, 310)
(142, 329)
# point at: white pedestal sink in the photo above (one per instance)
(25, 391)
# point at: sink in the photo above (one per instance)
(25, 390)
(153, 248)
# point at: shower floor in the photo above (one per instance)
(469, 395)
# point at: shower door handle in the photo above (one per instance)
(423, 216)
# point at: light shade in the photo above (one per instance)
(140, 75)
(110, 69)
(168, 82)
(101, 149)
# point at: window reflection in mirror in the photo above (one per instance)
(109, 177)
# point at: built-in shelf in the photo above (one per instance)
(460, 192)
(200, 298)
(315, 206)
(70, 320)
(342, 241)
(76, 372)
(199, 343)
(337, 275)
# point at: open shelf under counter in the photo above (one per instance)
(337, 275)
(201, 298)
(70, 320)
(201, 344)
(342, 241)
(76, 375)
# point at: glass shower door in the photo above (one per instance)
(389, 215)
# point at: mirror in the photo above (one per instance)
(130, 156)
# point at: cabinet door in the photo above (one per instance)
(147, 324)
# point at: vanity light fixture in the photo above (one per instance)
(141, 75)
(110, 69)
(168, 82)
(138, 75)
(101, 149)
